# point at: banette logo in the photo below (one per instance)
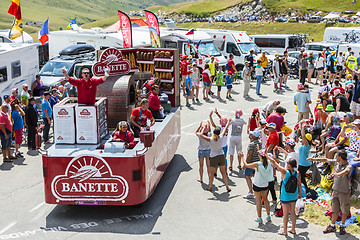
(63, 112)
(85, 112)
(89, 178)
(111, 58)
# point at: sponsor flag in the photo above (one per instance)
(126, 30)
(16, 29)
(198, 44)
(154, 29)
(14, 9)
(191, 32)
(44, 31)
(70, 26)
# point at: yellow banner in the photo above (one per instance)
(16, 29)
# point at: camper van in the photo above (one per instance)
(187, 44)
(342, 34)
(25, 38)
(99, 38)
(237, 43)
(19, 64)
(278, 43)
(355, 47)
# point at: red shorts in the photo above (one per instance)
(18, 136)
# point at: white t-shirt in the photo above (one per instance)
(276, 67)
(270, 106)
(216, 147)
(203, 144)
(319, 63)
(263, 137)
(224, 144)
(259, 71)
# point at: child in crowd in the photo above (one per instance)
(188, 87)
(195, 78)
(219, 81)
(228, 85)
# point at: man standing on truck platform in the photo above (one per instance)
(86, 86)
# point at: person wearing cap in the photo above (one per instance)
(254, 120)
(31, 119)
(289, 152)
(25, 95)
(154, 103)
(273, 139)
(147, 87)
(195, 78)
(276, 71)
(351, 62)
(7, 102)
(263, 132)
(212, 69)
(184, 68)
(246, 76)
(17, 115)
(206, 77)
(303, 68)
(337, 86)
(53, 98)
(263, 174)
(188, 87)
(204, 150)
(237, 126)
(340, 142)
(304, 150)
(5, 133)
(354, 138)
(251, 157)
(302, 101)
(14, 94)
(342, 103)
(37, 87)
(270, 107)
(47, 116)
(321, 115)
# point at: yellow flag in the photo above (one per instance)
(16, 29)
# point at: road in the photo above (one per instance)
(180, 208)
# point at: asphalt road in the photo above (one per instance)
(180, 208)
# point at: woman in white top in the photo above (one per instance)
(319, 65)
(203, 150)
(263, 175)
(217, 157)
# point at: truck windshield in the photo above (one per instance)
(208, 48)
(246, 47)
(53, 68)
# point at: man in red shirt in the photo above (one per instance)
(124, 135)
(273, 139)
(337, 86)
(184, 69)
(154, 102)
(149, 83)
(15, 93)
(231, 65)
(86, 86)
(139, 117)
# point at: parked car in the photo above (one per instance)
(293, 20)
(314, 19)
(281, 19)
(344, 20)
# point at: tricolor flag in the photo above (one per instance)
(73, 22)
(191, 32)
(44, 31)
(16, 29)
(198, 44)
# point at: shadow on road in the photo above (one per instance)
(139, 219)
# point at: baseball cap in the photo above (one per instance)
(190, 56)
(271, 125)
(318, 100)
(185, 56)
(305, 55)
(256, 110)
(320, 106)
(255, 133)
(25, 85)
(212, 57)
(6, 96)
(302, 49)
(356, 122)
(308, 136)
(263, 121)
(329, 108)
(189, 72)
(14, 90)
(276, 54)
(290, 141)
(223, 121)
(300, 86)
(37, 76)
(247, 62)
(238, 113)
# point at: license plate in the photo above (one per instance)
(90, 202)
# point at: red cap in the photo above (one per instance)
(256, 110)
(189, 72)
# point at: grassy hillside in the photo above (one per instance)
(62, 12)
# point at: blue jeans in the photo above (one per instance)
(258, 83)
(46, 130)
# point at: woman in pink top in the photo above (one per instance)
(5, 133)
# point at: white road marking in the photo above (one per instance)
(37, 207)
(7, 227)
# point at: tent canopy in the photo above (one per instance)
(135, 22)
(333, 15)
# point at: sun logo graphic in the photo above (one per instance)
(112, 58)
(89, 178)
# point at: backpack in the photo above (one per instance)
(292, 184)
(227, 66)
(311, 193)
(278, 212)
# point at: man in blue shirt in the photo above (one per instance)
(302, 99)
(54, 99)
(46, 115)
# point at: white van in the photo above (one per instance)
(237, 43)
(355, 47)
(342, 34)
(278, 43)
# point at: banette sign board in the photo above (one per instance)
(112, 59)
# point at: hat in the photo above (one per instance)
(300, 86)
(223, 121)
(333, 52)
(61, 88)
(276, 54)
(185, 56)
(302, 49)
(329, 108)
(247, 62)
(203, 126)
(308, 136)
(6, 96)
(212, 57)
(290, 141)
(255, 133)
(263, 121)
(25, 85)
(320, 106)
(55, 90)
(189, 72)
(238, 113)
(318, 100)
(336, 92)
(350, 51)
(190, 56)
(256, 110)
(356, 122)
(310, 121)
(305, 55)
(271, 125)
(37, 76)
(14, 90)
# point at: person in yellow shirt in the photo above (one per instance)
(212, 71)
(264, 63)
(351, 61)
(340, 142)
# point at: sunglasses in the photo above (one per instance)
(85, 73)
